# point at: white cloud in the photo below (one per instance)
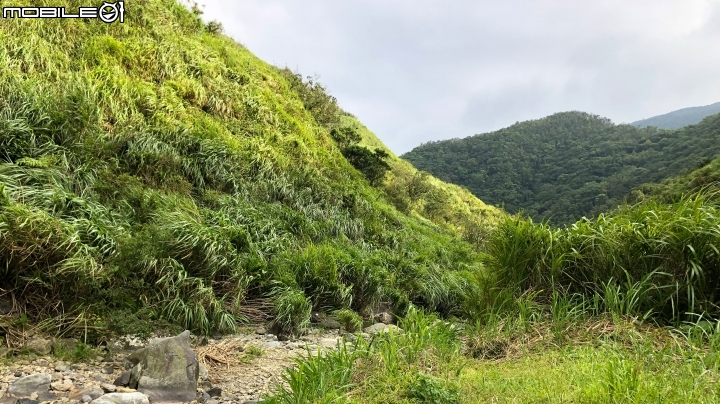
(424, 70)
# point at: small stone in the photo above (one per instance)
(18, 374)
(108, 388)
(204, 397)
(27, 401)
(215, 392)
(260, 331)
(123, 379)
(122, 389)
(34, 395)
(62, 386)
(59, 367)
(271, 337)
(85, 399)
(108, 370)
(203, 372)
(212, 401)
(271, 345)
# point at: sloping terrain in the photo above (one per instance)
(680, 118)
(567, 165)
(157, 170)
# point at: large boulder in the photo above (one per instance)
(25, 386)
(166, 370)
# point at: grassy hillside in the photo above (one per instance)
(680, 118)
(158, 170)
(567, 165)
(705, 179)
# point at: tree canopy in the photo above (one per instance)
(567, 165)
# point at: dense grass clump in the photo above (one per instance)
(158, 167)
(652, 259)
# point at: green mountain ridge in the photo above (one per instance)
(158, 170)
(680, 118)
(567, 165)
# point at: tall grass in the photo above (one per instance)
(651, 259)
(158, 166)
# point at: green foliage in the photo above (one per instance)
(371, 164)
(567, 165)
(428, 389)
(79, 353)
(650, 259)
(163, 172)
(291, 311)
(321, 105)
(370, 369)
(351, 321)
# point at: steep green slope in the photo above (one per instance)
(158, 169)
(567, 165)
(680, 118)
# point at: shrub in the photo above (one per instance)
(351, 321)
(291, 311)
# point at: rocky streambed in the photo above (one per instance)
(234, 369)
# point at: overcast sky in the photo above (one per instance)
(420, 70)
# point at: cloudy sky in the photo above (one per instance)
(421, 70)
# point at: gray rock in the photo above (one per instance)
(85, 399)
(59, 367)
(24, 386)
(93, 393)
(108, 370)
(38, 346)
(204, 397)
(122, 398)
(27, 401)
(212, 401)
(271, 345)
(203, 374)
(215, 392)
(108, 388)
(385, 318)
(167, 370)
(324, 321)
(123, 379)
(271, 337)
(381, 328)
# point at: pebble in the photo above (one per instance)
(108, 388)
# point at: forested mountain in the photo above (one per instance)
(680, 118)
(567, 165)
(158, 170)
(705, 179)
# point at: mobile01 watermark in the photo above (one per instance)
(108, 12)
